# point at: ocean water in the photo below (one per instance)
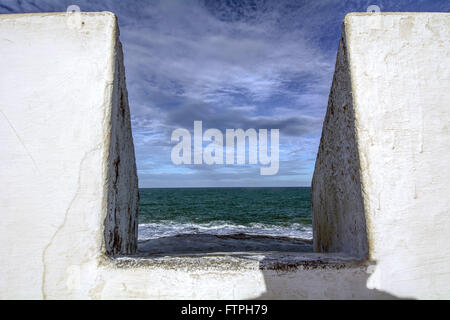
(236, 213)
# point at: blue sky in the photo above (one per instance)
(231, 64)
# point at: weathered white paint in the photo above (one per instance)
(64, 126)
(389, 106)
(338, 211)
(67, 169)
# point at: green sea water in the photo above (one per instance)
(223, 211)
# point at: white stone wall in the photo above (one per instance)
(121, 224)
(67, 163)
(399, 65)
(337, 203)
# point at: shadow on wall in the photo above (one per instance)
(318, 279)
(290, 270)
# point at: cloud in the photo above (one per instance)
(232, 64)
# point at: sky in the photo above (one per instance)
(230, 64)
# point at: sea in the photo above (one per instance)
(199, 220)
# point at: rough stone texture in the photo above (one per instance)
(400, 80)
(303, 276)
(121, 224)
(338, 211)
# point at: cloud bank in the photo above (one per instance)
(231, 64)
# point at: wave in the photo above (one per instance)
(162, 229)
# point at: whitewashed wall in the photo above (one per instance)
(67, 162)
(394, 119)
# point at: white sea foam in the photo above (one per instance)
(169, 228)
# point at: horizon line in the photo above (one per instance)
(224, 187)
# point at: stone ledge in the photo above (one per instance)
(239, 261)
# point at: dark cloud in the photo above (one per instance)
(232, 64)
